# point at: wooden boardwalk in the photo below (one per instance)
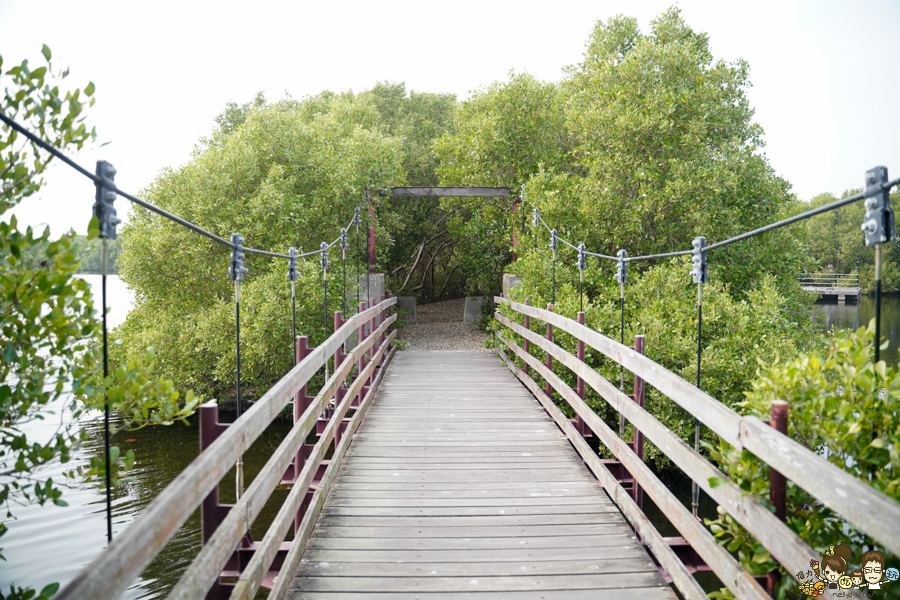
(458, 485)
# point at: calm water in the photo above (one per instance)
(48, 543)
(853, 316)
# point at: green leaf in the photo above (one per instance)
(715, 482)
(113, 453)
(89, 88)
(877, 443)
(93, 228)
(51, 589)
(46, 52)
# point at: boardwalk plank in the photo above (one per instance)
(328, 567)
(496, 519)
(606, 552)
(547, 583)
(468, 511)
(659, 593)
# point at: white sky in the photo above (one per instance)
(824, 72)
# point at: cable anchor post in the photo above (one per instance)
(622, 278)
(582, 264)
(105, 213)
(553, 246)
(292, 277)
(356, 221)
(323, 250)
(700, 275)
(877, 227)
(236, 271)
(344, 245)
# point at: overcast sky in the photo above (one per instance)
(825, 74)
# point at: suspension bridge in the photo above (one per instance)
(454, 474)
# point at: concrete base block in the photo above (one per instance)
(473, 308)
(371, 286)
(407, 303)
(509, 282)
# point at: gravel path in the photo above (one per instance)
(440, 327)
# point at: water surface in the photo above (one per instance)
(853, 316)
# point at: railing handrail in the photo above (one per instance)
(121, 562)
(860, 504)
(818, 278)
(209, 562)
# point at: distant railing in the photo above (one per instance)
(830, 280)
(859, 504)
(224, 533)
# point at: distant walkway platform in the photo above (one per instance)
(459, 485)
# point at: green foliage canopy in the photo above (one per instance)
(289, 175)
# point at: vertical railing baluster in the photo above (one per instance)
(777, 481)
(638, 436)
(526, 368)
(372, 328)
(549, 389)
(301, 403)
(361, 362)
(579, 385)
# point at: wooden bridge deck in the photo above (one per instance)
(458, 484)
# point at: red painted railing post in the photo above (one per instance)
(382, 317)
(638, 436)
(361, 363)
(579, 385)
(301, 403)
(372, 328)
(549, 389)
(527, 343)
(777, 481)
(211, 512)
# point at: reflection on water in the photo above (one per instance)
(853, 316)
(52, 544)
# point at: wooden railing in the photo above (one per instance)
(130, 553)
(859, 504)
(830, 280)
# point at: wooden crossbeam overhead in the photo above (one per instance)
(450, 192)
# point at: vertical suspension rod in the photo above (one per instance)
(695, 489)
(239, 465)
(104, 269)
(878, 259)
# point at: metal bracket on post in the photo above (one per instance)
(105, 197)
(878, 223)
(698, 260)
(622, 268)
(878, 227)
